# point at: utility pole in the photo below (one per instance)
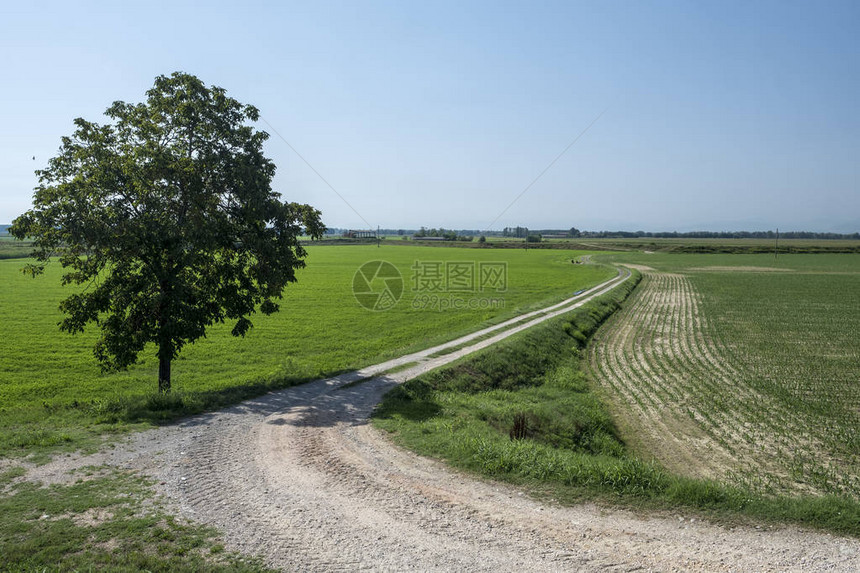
(377, 236)
(776, 244)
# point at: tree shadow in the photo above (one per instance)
(414, 400)
(344, 399)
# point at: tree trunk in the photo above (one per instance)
(164, 373)
(165, 345)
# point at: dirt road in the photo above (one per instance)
(300, 478)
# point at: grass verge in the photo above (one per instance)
(83, 425)
(525, 413)
(104, 522)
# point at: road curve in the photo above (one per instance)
(301, 479)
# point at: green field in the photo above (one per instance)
(752, 361)
(11, 248)
(52, 393)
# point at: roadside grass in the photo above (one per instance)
(525, 412)
(104, 522)
(462, 345)
(401, 368)
(53, 397)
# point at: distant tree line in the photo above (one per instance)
(446, 234)
(719, 235)
(573, 233)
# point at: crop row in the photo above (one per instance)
(698, 401)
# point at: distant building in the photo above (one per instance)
(359, 234)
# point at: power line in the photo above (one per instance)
(551, 163)
(342, 198)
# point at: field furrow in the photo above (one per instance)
(691, 403)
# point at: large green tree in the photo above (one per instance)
(167, 215)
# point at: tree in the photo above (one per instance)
(168, 216)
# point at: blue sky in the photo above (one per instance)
(718, 115)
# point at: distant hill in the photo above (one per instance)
(4, 229)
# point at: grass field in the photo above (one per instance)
(742, 368)
(52, 394)
(11, 248)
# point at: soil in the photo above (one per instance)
(679, 396)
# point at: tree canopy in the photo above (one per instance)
(167, 215)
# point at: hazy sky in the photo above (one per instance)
(719, 115)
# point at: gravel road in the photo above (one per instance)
(300, 478)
